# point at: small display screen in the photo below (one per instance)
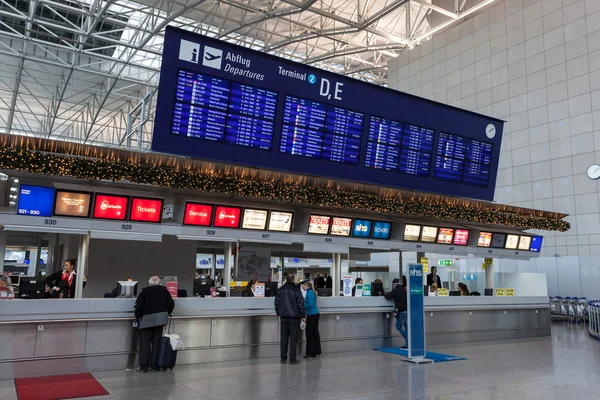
(382, 230)
(512, 241)
(536, 244)
(485, 239)
(524, 243)
(341, 226)
(255, 219)
(461, 237)
(445, 235)
(227, 217)
(35, 200)
(319, 224)
(110, 207)
(362, 228)
(411, 233)
(72, 204)
(429, 234)
(498, 240)
(198, 214)
(280, 221)
(146, 210)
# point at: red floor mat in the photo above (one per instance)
(59, 387)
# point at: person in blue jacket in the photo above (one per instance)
(313, 339)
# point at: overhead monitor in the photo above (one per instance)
(231, 104)
(227, 217)
(35, 200)
(512, 241)
(72, 204)
(445, 235)
(411, 233)
(319, 224)
(108, 206)
(145, 209)
(429, 234)
(341, 226)
(280, 221)
(361, 228)
(461, 237)
(524, 243)
(382, 230)
(255, 219)
(536, 244)
(498, 240)
(485, 239)
(198, 214)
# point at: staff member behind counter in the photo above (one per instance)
(61, 284)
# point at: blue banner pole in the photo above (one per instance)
(416, 315)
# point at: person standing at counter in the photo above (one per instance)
(249, 290)
(357, 281)
(153, 307)
(463, 289)
(62, 284)
(433, 277)
(319, 282)
(313, 338)
(328, 281)
(289, 306)
(398, 294)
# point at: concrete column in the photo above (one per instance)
(227, 266)
(336, 272)
(213, 267)
(82, 260)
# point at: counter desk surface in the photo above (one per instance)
(20, 311)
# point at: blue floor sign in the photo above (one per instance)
(416, 312)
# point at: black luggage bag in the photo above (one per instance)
(166, 357)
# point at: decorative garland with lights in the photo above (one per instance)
(97, 169)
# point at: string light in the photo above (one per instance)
(37, 162)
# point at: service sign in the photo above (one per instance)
(110, 207)
(319, 224)
(255, 219)
(445, 235)
(382, 230)
(525, 243)
(72, 204)
(227, 217)
(361, 228)
(341, 226)
(146, 210)
(429, 234)
(411, 233)
(280, 221)
(198, 214)
(485, 239)
(35, 200)
(461, 237)
(536, 244)
(512, 241)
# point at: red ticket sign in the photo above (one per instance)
(461, 237)
(172, 289)
(146, 210)
(227, 217)
(341, 226)
(198, 214)
(110, 207)
(319, 224)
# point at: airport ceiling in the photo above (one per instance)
(87, 70)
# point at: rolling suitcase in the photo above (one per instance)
(166, 357)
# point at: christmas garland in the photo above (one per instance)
(98, 169)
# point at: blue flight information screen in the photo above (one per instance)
(35, 200)
(463, 160)
(221, 110)
(536, 244)
(315, 130)
(361, 228)
(225, 103)
(382, 230)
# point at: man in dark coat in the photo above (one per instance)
(289, 306)
(398, 294)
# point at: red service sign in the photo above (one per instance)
(198, 214)
(227, 217)
(146, 210)
(110, 207)
(172, 289)
(461, 237)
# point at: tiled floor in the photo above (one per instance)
(565, 366)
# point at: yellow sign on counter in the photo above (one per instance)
(500, 292)
(509, 292)
(425, 262)
(442, 292)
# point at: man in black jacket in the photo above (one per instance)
(289, 306)
(398, 293)
(152, 308)
(433, 277)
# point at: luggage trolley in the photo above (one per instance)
(594, 317)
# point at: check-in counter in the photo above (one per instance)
(43, 337)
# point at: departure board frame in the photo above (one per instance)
(200, 54)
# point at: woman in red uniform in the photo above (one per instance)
(62, 283)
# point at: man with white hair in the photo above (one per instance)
(152, 308)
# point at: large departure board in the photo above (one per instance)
(229, 104)
(220, 110)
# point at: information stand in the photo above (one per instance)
(416, 315)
